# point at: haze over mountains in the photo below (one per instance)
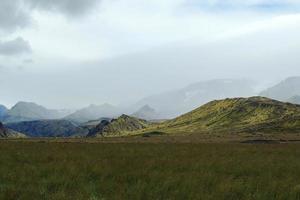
(103, 120)
(94, 112)
(173, 103)
(27, 111)
(286, 90)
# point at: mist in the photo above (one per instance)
(69, 56)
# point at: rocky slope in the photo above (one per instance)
(118, 127)
(8, 133)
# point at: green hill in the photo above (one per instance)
(118, 127)
(237, 115)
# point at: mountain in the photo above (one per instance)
(284, 90)
(94, 112)
(174, 103)
(48, 128)
(3, 111)
(118, 127)
(93, 123)
(28, 111)
(236, 115)
(147, 113)
(294, 99)
(8, 133)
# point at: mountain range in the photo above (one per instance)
(48, 128)
(28, 111)
(94, 112)
(37, 121)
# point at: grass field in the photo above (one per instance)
(58, 170)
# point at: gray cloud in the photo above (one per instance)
(67, 7)
(14, 47)
(16, 14)
(13, 15)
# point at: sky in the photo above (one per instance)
(72, 53)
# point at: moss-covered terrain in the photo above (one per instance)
(121, 126)
(236, 115)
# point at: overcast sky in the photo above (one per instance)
(71, 53)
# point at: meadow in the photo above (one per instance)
(91, 171)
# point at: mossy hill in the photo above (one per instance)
(118, 127)
(236, 115)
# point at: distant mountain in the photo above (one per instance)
(284, 90)
(93, 123)
(94, 112)
(118, 127)
(238, 115)
(8, 133)
(294, 99)
(27, 111)
(48, 128)
(174, 103)
(3, 111)
(147, 113)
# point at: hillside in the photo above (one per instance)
(251, 115)
(118, 127)
(8, 133)
(93, 112)
(173, 103)
(48, 128)
(284, 90)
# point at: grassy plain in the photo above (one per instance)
(78, 169)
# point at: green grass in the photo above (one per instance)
(51, 170)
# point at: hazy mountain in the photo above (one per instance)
(94, 112)
(27, 111)
(8, 133)
(238, 115)
(48, 128)
(294, 99)
(3, 111)
(118, 127)
(173, 103)
(284, 90)
(147, 113)
(93, 123)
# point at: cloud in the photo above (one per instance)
(13, 15)
(68, 7)
(254, 5)
(16, 14)
(14, 47)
